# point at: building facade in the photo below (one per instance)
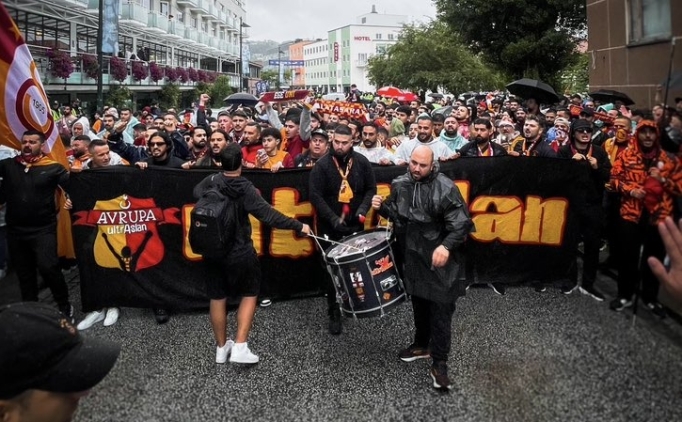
(297, 72)
(631, 47)
(199, 36)
(348, 50)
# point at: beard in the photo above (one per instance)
(480, 140)
(423, 138)
(452, 134)
(201, 145)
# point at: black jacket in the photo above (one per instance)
(429, 213)
(325, 182)
(471, 149)
(594, 192)
(250, 202)
(30, 196)
(541, 149)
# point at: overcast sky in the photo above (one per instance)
(280, 20)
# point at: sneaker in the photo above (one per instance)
(498, 288)
(592, 292)
(90, 319)
(413, 352)
(265, 303)
(242, 354)
(540, 288)
(112, 316)
(567, 289)
(439, 375)
(162, 316)
(335, 326)
(221, 353)
(656, 308)
(67, 311)
(619, 304)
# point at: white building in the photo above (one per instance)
(348, 49)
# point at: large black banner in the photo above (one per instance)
(130, 228)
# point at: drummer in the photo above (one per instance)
(341, 188)
(432, 223)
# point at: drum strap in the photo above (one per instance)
(345, 191)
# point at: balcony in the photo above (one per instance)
(214, 42)
(361, 63)
(231, 26)
(192, 4)
(198, 5)
(213, 13)
(134, 14)
(191, 35)
(223, 18)
(157, 23)
(176, 29)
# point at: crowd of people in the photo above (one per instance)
(633, 160)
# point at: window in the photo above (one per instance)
(164, 8)
(390, 37)
(193, 22)
(378, 36)
(649, 20)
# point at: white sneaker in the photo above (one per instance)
(242, 354)
(221, 353)
(112, 316)
(91, 319)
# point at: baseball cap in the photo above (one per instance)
(320, 132)
(587, 111)
(40, 349)
(580, 124)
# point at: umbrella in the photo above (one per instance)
(436, 95)
(611, 96)
(242, 98)
(390, 92)
(406, 97)
(531, 88)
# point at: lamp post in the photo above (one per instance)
(279, 68)
(241, 53)
(100, 58)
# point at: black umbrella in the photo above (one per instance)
(605, 96)
(531, 88)
(241, 98)
(436, 95)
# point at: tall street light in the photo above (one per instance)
(242, 25)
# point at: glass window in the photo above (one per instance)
(378, 36)
(649, 19)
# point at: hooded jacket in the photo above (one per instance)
(249, 202)
(426, 214)
(86, 127)
(631, 170)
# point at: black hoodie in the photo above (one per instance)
(250, 202)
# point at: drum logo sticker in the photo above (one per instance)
(388, 283)
(383, 264)
(127, 236)
(358, 285)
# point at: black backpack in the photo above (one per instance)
(213, 223)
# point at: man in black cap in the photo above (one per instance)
(598, 137)
(342, 185)
(319, 146)
(590, 213)
(46, 367)
(236, 273)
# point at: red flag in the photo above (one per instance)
(24, 102)
(25, 107)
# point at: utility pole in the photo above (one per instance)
(279, 68)
(100, 59)
(242, 75)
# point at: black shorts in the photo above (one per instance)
(233, 280)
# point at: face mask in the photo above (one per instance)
(621, 135)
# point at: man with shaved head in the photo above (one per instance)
(432, 224)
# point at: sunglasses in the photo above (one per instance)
(157, 144)
(585, 130)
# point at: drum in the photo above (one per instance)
(365, 275)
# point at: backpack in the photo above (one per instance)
(213, 223)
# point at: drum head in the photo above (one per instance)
(357, 243)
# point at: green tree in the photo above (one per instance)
(524, 38)
(169, 96)
(576, 77)
(271, 76)
(431, 57)
(118, 96)
(219, 90)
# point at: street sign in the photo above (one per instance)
(287, 63)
